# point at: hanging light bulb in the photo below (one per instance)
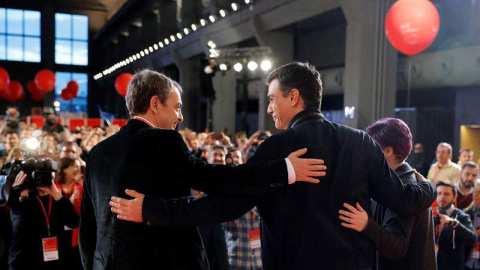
(238, 67)
(252, 65)
(266, 65)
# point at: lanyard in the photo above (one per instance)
(47, 217)
(143, 120)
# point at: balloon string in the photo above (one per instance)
(409, 75)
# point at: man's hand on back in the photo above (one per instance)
(306, 168)
(130, 210)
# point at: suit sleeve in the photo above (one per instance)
(188, 211)
(390, 239)
(221, 179)
(88, 225)
(465, 229)
(388, 190)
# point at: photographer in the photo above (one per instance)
(39, 214)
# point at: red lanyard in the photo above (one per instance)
(47, 217)
(143, 120)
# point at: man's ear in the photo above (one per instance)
(154, 102)
(294, 96)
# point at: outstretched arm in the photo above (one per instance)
(185, 211)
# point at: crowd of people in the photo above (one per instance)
(41, 211)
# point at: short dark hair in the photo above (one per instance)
(63, 164)
(447, 184)
(144, 85)
(469, 164)
(303, 77)
(392, 132)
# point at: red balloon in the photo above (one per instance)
(411, 26)
(121, 83)
(66, 94)
(36, 96)
(72, 86)
(4, 79)
(32, 88)
(14, 92)
(45, 80)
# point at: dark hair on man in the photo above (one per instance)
(144, 85)
(12, 131)
(447, 184)
(303, 77)
(469, 164)
(392, 132)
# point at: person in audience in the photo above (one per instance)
(464, 155)
(444, 168)
(38, 222)
(68, 182)
(468, 176)
(454, 231)
(418, 159)
(473, 258)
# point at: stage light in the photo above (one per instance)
(179, 36)
(234, 7)
(238, 67)
(194, 27)
(208, 69)
(142, 54)
(223, 66)
(166, 41)
(266, 65)
(222, 13)
(172, 38)
(146, 51)
(185, 30)
(211, 18)
(252, 65)
(150, 49)
(160, 44)
(203, 22)
(155, 46)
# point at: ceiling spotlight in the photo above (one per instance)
(234, 7)
(155, 46)
(142, 54)
(160, 44)
(185, 30)
(203, 22)
(252, 65)
(138, 56)
(211, 18)
(172, 38)
(134, 57)
(247, 2)
(238, 67)
(222, 13)
(131, 59)
(146, 51)
(223, 66)
(56, 103)
(211, 44)
(128, 61)
(150, 49)
(266, 65)
(179, 36)
(208, 69)
(166, 41)
(194, 27)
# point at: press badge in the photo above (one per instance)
(254, 236)
(475, 251)
(50, 249)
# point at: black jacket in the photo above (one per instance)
(30, 227)
(300, 226)
(403, 242)
(155, 162)
(453, 242)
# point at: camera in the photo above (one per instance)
(39, 172)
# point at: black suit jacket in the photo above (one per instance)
(155, 162)
(300, 226)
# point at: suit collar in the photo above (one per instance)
(305, 115)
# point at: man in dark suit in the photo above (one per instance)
(300, 226)
(150, 156)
